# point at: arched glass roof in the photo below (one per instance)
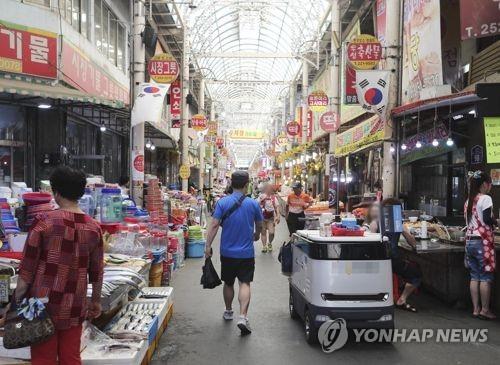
(249, 51)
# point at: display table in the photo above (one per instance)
(444, 273)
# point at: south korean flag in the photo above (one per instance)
(372, 88)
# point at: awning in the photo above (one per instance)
(47, 90)
(360, 136)
(442, 101)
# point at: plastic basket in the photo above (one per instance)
(196, 250)
(336, 231)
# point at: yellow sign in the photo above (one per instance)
(492, 134)
(318, 101)
(364, 52)
(369, 131)
(184, 172)
(212, 128)
(246, 134)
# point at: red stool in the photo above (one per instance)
(395, 287)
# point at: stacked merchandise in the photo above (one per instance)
(176, 247)
(9, 222)
(154, 199)
(196, 242)
(35, 204)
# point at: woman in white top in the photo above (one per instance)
(480, 246)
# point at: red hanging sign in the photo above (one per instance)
(318, 101)
(175, 102)
(219, 142)
(329, 122)
(199, 122)
(293, 128)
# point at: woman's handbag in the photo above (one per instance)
(27, 324)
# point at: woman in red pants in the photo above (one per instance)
(63, 252)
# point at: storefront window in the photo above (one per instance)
(85, 18)
(39, 2)
(112, 39)
(75, 13)
(98, 24)
(120, 47)
(105, 31)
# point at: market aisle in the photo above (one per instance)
(198, 335)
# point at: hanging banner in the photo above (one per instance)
(492, 136)
(369, 131)
(163, 68)
(148, 105)
(318, 101)
(199, 122)
(293, 128)
(422, 64)
(364, 52)
(29, 51)
(479, 18)
(137, 165)
(175, 102)
(351, 97)
(213, 128)
(246, 134)
(310, 121)
(372, 88)
(329, 122)
(184, 172)
(381, 27)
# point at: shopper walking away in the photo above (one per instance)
(241, 220)
(63, 248)
(408, 271)
(297, 202)
(480, 246)
(269, 204)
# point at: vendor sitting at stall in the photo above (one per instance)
(408, 271)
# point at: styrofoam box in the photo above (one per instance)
(163, 312)
(115, 358)
(22, 353)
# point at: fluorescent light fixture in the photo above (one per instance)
(44, 106)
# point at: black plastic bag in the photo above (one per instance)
(209, 278)
(286, 258)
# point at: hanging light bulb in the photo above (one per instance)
(418, 144)
(153, 147)
(342, 177)
(335, 177)
(392, 149)
(349, 177)
(102, 128)
(449, 142)
(435, 142)
(404, 147)
(148, 144)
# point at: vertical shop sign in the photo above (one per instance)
(29, 51)
(422, 64)
(137, 165)
(351, 97)
(80, 72)
(450, 42)
(479, 18)
(381, 20)
(492, 134)
(175, 103)
(310, 121)
(476, 155)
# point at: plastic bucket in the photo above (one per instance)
(195, 250)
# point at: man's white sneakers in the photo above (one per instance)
(244, 326)
(228, 315)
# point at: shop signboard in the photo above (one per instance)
(381, 26)
(318, 101)
(329, 122)
(219, 142)
(412, 153)
(199, 122)
(492, 134)
(184, 172)
(82, 73)
(281, 140)
(137, 166)
(246, 134)
(293, 128)
(369, 131)
(422, 64)
(364, 52)
(28, 51)
(476, 155)
(479, 18)
(213, 128)
(351, 97)
(208, 139)
(175, 102)
(163, 68)
(310, 121)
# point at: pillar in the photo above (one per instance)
(393, 42)
(293, 88)
(139, 69)
(335, 81)
(212, 147)
(305, 94)
(185, 107)
(201, 110)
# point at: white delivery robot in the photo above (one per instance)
(341, 277)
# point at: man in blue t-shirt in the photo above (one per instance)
(241, 220)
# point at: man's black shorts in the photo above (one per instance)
(232, 268)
